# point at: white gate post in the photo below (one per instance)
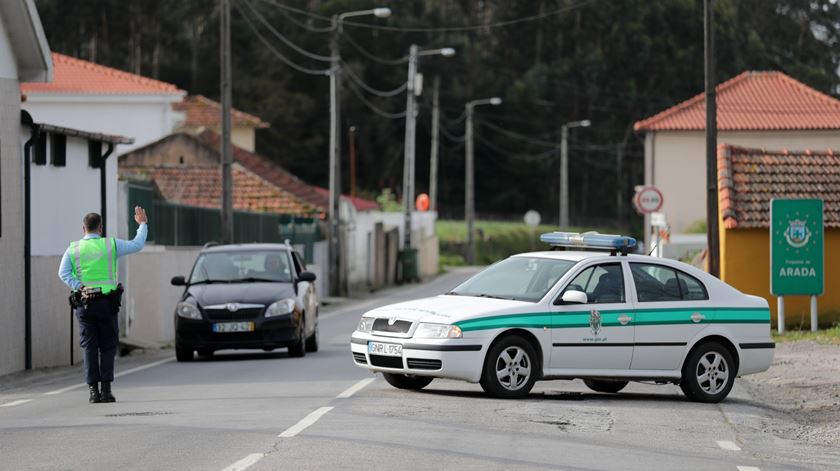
(781, 314)
(814, 319)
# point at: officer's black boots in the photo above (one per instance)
(95, 397)
(106, 393)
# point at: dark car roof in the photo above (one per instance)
(243, 247)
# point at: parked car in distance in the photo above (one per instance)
(246, 296)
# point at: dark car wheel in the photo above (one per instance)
(510, 368)
(407, 381)
(605, 386)
(312, 340)
(708, 373)
(299, 348)
(183, 354)
(205, 353)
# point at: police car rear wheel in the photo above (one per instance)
(183, 354)
(605, 386)
(708, 374)
(407, 381)
(509, 368)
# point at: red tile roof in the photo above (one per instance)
(753, 101)
(202, 111)
(72, 76)
(749, 178)
(202, 187)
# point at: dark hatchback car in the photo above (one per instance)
(246, 296)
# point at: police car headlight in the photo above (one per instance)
(365, 325)
(437, 331)
(280, 308)
(188, 311)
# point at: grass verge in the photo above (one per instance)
(824, 336)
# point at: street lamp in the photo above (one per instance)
(564, 169)
(410, 131)
(335, 270)
(469, 203)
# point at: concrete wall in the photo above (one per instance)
(676, 163)
(12, 354)
(745, 264)
(52, 337)
(144, 118)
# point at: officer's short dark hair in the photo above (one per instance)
(92, 222)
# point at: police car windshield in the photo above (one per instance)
(242, 266)
(516, 278)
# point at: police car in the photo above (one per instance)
(606, 317)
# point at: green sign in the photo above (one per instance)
(796, 247)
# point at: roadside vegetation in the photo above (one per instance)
(824, 336)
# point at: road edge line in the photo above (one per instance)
(305, 422)
(347, 393)
(118, 375)
(246, 462)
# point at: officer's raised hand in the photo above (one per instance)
(140, 215)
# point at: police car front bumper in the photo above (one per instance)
(442, 358)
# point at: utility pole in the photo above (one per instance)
(408, 163)
(712, 238)
(564, 169)
(469, 167)
(353, 161)
(619, 183)
(335, 162)
(226, 149)
(433, 171)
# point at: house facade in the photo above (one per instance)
(767, 110)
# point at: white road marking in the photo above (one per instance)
(748, 468)
(729, 446)
(355, 388)
(118, 375)
(305, 422)
(245, 463)
(15, 403)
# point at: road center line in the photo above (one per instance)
(245, 463)
(15, 403)
(729, 446)
(748, 468)
(118, 375)
(305, 422)
(355, 388)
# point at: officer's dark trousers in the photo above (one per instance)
(98, 335)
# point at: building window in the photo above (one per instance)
(40, 155)
(58, 150)
(95, 154)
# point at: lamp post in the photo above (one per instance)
(564, 169)
(469, 203)
(414, 54)
(334, 269)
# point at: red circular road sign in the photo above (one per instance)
(648, 200)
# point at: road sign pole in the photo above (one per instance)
(780, 306)
(814, 317)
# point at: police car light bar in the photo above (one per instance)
(591, 240)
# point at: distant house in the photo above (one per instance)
(99, 99)
(748, 180)
(755, 109)
(201, 113)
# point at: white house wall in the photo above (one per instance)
(8, 66)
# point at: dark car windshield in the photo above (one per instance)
(242, 266)
(517, 278)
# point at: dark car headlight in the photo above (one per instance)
(188, 311)
(281, 308)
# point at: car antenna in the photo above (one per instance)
(653, 248)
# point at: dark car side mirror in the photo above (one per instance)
(178, 281)
(307, 276)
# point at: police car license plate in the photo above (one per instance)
(386, 349)
(224, 327)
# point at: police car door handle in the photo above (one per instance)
(697, 317)
(624, 319)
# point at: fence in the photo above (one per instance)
(180, 225)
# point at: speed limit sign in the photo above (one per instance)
(648, 199)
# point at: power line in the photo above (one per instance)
(516, 135)
(371, 55)
(301, 24)
(497, 24)
(383, 93)
(452, 137)
(373, 107)
(298, 10)
(285, 40)
(276, 52)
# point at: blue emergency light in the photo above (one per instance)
(589, 240)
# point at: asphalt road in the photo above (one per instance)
(262, 411)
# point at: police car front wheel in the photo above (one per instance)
(510, 370)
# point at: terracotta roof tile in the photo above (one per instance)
(753, 101)
(749, 178)
(202, 111)
(73, 76)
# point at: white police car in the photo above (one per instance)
(608, 318)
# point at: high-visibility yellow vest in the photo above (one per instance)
(95, 262)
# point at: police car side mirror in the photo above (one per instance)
(307, 276)
(178, 281)
(574, 297)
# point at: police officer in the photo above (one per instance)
(89, 268)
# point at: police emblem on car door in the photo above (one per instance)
(598, 334)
